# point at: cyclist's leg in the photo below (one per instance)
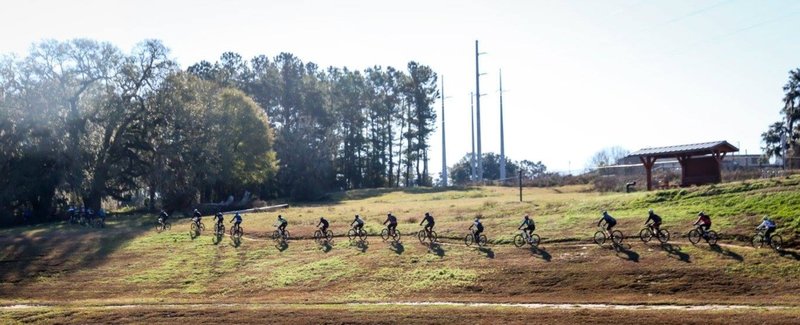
(392, 228)
(768, 234)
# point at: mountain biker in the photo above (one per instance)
(430, 222)
(478, 226)
(392, 220)
(219, 218)
(704, 222)
(102, 215)
(610, 221)
(769, 225)
(324, 223)
(237, 220)
(358, 224)
(162, 217)
(282, 223)
(527, 225)
(71, 212)
(196, 216)
(656, 225)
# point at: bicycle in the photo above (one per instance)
(522, 238)
(600, 237)
(696, 234)
(98, 223)
(219, 229)
(424, 235)
(198, 226)
(320, 239)
(647, 233)
(162, 225)
(395, 235)
(352, 234)
(236, 231)
(760, 238)
(469, 239)
(280, 236)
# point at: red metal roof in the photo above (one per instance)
(696, 149)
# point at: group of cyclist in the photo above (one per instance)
(653, 221)
(76, 214)
(703, 223)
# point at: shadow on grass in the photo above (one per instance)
(488, 251)
(216, 239)
(61, 248)
(282, 245)
(726, 252)
(436, 249)
(624, 252)
(541, 253)
(397, 247)
(789, 254)
(675, 252)
(326, 246)
(361, 245)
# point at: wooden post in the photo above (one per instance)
(520, 185)
(648, 163)
(683, 160)
(718, 156)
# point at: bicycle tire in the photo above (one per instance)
(617, 237)
(202, 227)
(362, 235)
(285, 236)
(220, 230)
(535, 240)
(318, 236)
(712, 237)
(421, 236)
(600, 238)
(694, 236)
(167, 226)
(351, 234)
(776, 242)
(396, 236)
(645, 235)
(663, 236)
(276, 235)
(158, 227)
(195, 228)
(329, 235)
(482, 240)
(469, 239)
(757, 241)
(519, 240)
(433, 238)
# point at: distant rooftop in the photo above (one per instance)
(696, 149)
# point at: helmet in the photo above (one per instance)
(357, 217)
(195, 210)
(702, 213)
(321, 218)
(427, 214)
(389, 215)
(765, 218)
(650, 211)
(605, 212)
(527, 216)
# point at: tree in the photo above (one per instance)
(460, 172)
(608, 156)
(785, 134)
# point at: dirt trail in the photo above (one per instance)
(559, 306)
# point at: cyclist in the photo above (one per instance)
(282, 223)
(71, 213)
(237, 219)
(219, 218)
(90, 215)
(323, 225)
(610, 222)
(769, 225)
(703, 222)
(162, 217)
(196, 216)
(527, 225)
(358, 224)
(430, 222)
(656, 225)
(392, 220)
(102, 215)
(478, 229)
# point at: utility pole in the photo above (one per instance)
(502, 139)
(478, 110)
(473, 175)
(444, 148)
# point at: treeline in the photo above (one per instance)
(82, 121)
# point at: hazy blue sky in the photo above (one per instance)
(581, 75)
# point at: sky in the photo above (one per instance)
(579, 75)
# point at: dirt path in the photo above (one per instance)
(559, 306)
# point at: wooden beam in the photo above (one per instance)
(648, 163)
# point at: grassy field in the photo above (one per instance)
(76, 274)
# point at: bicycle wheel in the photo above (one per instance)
(421, 236)
(694, 236)
(396, 236)
(167, 226)
(317, 236)
(195, 228)
(158, 227)
(600, 238)
(663, 236)
(238, 232)
(362, 234)
(757, 241)
(202, 227)
(535, 240)
(285, 235)
(220, 230)
(276, 235)
(645, 234)
(519, 240)
(329, 235)
(482, 240)
(617, 237)
(776, 242)
(433, 238)
(384, 234)
(712, 237)
(351, 234)
(469, 239)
